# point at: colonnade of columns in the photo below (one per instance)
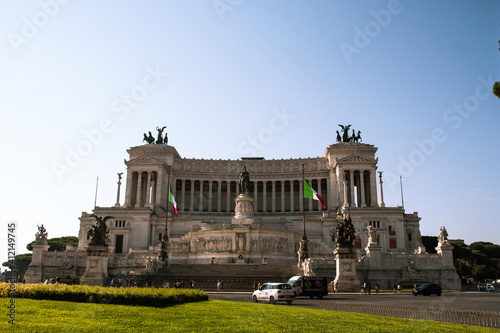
(268, 195)
(143, 190)
(361, 188)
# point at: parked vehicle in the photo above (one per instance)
(490, 287)
(427, 289)
(274, 292)
(309, 286)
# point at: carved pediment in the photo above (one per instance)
(144, 160)
(356, 159)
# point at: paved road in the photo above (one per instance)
(458, 301)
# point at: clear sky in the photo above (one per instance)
(81, 81)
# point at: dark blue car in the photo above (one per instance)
(427, 289)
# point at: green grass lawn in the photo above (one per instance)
(208, 316)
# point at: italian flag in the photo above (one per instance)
(172, 200)
(309, 193)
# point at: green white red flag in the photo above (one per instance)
(172, 200)
(310, 193)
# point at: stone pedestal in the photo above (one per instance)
(34, 272)
(346, 279)
(96, 268)
(449, 277)
(243, 212)
(374, 253)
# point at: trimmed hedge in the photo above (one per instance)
(157, 297)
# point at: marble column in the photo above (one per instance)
(351, 188)
(117, 204)
(219, 195)
(191, 196)
(382, 204)
(301, 193)
(264, 196)
(362, 185)
(148, 189)
(255, 195)
(282, 195)
(320, 208)
(200, 208)
(210, 188)
(228, 197)
(310, 201)
(154, 181)
(292, 196)
(183, 193)
(346, 200)
(139, 189)
(273, 196)
(373, 187)
(128, 188)
(332, 188)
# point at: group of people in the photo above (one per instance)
(220, 286)
(366, 288)
(256, 285)
(396, 288)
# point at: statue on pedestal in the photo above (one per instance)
(345, 233)
(42, 234)
(163, 257)
(244, 181)
(443, 235)
(370, 234)
(99, 231)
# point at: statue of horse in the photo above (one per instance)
(352, 136)
(149, 139)
(357, 137)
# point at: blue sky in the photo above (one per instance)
(91, 77)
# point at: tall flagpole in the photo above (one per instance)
(401, 183)
(303, 251)
(168, 202)
(163, 251)
(303, 206)
(96, 186)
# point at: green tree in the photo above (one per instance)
(58, 243)
(21, 263)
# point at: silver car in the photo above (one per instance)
(274, 292)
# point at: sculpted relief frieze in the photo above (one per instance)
(179, 246)
(211, 244)
(271, 244)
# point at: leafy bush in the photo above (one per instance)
(125, 296)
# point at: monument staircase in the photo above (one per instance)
(235, 277)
